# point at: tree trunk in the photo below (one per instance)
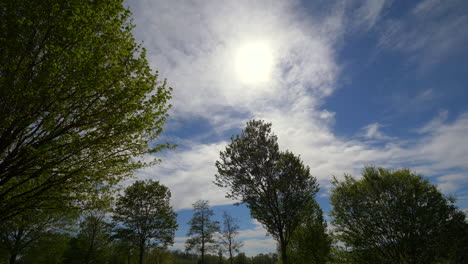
(284, 258)
(230, 256)
(142, 253)
(13, 258)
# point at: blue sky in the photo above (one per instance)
(344, 83)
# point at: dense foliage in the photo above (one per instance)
(145, 217)
(78, 101)
(397, 217)
(275, 185)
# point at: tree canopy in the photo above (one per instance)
(145, 216)
(395, 217)
(78, 101)
(275, 185)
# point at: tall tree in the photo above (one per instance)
(395, 217)
(202, 230)
(145, 217)
(310, 243)
(78, 101)
(275, 185)
(228, 236)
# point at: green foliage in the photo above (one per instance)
(265, 258)
(91, 244)
(395, 217)
(241, 258)
(275, 185)
(21, 233)
(145, 217)
(202, 229)
(310, 243)
(49, 249)
(78, 101)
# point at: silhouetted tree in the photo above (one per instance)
(275, 185)
(144, 216)
(395, 217)
(228, 236)
(202, 230)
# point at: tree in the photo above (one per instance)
(146, 217)
(228, 236)
(310, 243)
(91, 244)
(275, 185)
(241, 258)
(22, 232)
(78, 101)
(202, 230)
(49, 249)
(394, 217)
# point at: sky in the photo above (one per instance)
(344, 83)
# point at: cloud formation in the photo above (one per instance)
(192, 44)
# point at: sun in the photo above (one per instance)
(254, 62)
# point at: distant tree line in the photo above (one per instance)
(81, 110)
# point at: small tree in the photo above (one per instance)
(146, 216)
(310, 243)
(91, 244)
(395, 217)
(275, 185)
(228, 236)
(202, 230)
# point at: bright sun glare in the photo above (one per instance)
(254, 62)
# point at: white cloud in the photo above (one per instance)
(369, 12)
(372, 131)
(452, 182)
(191, 43)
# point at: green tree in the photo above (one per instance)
(78, 101)
(91, 244)
(145, 217)
(275, 185)
(241, 258)
(229, 233)
(310, 243)
(394, 217)
(49, 249)
(23, 232)
(202, 230)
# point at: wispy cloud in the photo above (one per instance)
(430, 33)
(194, 53)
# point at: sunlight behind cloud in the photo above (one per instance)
(254, 62)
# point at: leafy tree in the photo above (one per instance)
(241, 258)
(49, 249)
(261, 258)
(78, 101)
(202, 230)
(275, 185)
(146, 217)
(310, 243)
(91, 245)
(394, 217)
(228, 236)
(22, 232)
